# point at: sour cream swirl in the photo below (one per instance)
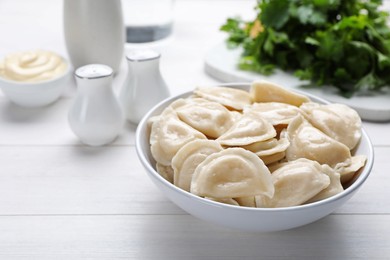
(32, 66)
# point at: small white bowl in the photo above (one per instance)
(36, 94)
(245, 218)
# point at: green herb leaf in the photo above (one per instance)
(344, 43)
(274, 14)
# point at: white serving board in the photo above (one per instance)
(221, 63)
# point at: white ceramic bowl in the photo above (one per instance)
(36, 94)
(245, 218)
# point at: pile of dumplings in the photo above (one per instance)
(265, 148)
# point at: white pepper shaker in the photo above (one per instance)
(96, 116)
(144, 86)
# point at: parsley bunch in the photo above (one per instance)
(344, 43)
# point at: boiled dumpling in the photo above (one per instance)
(348, 168)
(269, 159)
(177, 104)
(182, 102)
(268, 147)
(334, 187)
(246, 201)
(276, 113)
(165, 171)
(308, 142)
(269, 151)
(154, 126)
(158, 154)
(264, 91)
(250, 128)
(338, 121)
(189, 157)
(172, 135)
(295, 183)
(232, 173)
(210, 118)
(230, 97)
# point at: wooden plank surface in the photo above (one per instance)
(77, 180)
(184, 237)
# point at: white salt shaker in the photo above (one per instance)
(94, 32)
(144, 86)
(96, 116)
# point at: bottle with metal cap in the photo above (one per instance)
(96, 116)
(144, 86)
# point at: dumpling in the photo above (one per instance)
(268, 147)
(189, 157)
(264, 91)
(250, 128)
(334, 187)
(269, 159)
(230, 97)
(210, 118)
(269, 151)
(172, 134)
(181, 102)
(308, 142)
(276, 113)
(165, 171)
(177, 104)
(246, 201)
(338, 121)
(232, 173)
(295, 183)
(348, 168)
(153, 125)
(158, 154)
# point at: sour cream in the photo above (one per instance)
(32, 66)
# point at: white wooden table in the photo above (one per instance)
(60, 199)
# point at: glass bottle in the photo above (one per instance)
(94, 32)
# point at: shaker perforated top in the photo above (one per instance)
(94, 71)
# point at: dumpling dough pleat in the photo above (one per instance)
(295, 183)
(248, 129)
(264, 91)
(268, 159)
(172, 134)
(269, 151)
(268, 147)
(334, 187)
(232, 173)
(338, 121)
(348, 168)
(276, 113)
(230, 97)
(189, 157)
(308, 142)
(210, 118)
